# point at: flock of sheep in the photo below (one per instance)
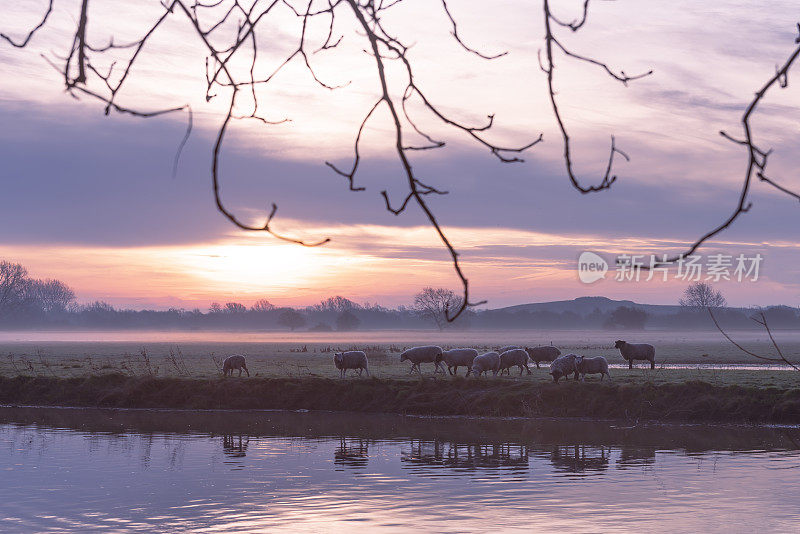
(495, 361)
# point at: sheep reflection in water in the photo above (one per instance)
(470, 456)
(580, 458)
(351, 453)
(636, 457)
(235, 446)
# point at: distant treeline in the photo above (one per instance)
(31, 303)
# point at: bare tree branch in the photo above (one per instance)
(454, 33)
(763, 322)
(552, 42)
(29, 36)
(229, 31)
(757, 157)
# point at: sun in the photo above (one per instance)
(250, 268)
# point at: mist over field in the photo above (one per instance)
(339, 314)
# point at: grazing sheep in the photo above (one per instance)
(486, 362)
(418, 355)
(636, 351)
(352, 359)
(454, 358)
(592, 366)
(542, 354)
(513, 357)
(235, 361)
(501, 350)
(563, 366)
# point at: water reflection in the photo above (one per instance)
(352, 453)
(636, 457)
(420, 455)
(235, 446)
(83, 470)
(579, 459)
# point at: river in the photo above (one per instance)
(166, 471)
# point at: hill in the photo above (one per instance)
(586, 305)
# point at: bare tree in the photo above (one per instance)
(234, 307)
(13, 283)
(262, 305)
(701, 295)
(434, 304)
(336, 304)
(229, 32)
(52, 296)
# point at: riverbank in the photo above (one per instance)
(691, 401)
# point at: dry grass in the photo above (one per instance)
(691, 401)
(312, 358)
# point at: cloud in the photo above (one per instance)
(108, 182)
(76, 180)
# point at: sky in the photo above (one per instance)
(91, 199)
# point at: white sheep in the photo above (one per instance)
(418, 355)
(501, 350)
(455, 358)
(486, 362)
(542, 354)
(592, 366)
(563, 366)
(636, 351)
(513, 357)
(352, 359)
(235, 361)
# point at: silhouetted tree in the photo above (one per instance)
(215, 307)
(13, 283)
(701, 295)
(291, 319)
(51, 296)
(434, 304)
(347, 321)
(262, 305)
(336, 304)
(628, 318)
(234, 307)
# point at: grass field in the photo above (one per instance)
(281, 355)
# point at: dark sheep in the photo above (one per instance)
(636, 351)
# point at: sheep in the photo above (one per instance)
(592, 366)
(352, 359)
(636, 351)
(486, 362)
(542, 354)
(501, 350)
(454, 358)
(418, 355)
(513, 357)
(563, 366)
(235, 361)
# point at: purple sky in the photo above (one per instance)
(90, 199)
